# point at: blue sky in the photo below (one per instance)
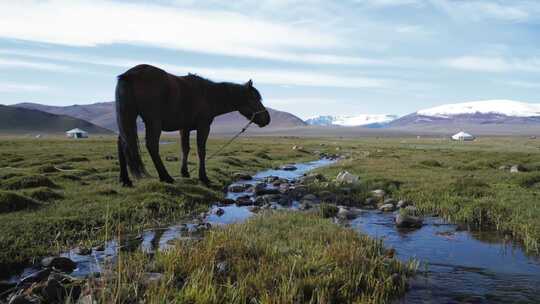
(307, 57)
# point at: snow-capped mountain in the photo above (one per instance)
(487, 116)
(373, 120)
(500, 107)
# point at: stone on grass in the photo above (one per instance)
(346, 178)
(346, 214)
(517, 169)
(236, 188)
(171, 158)
(390, 201)
(402, 204)
(379, 193)
(288, 167)
(408, 221)
(61, 264)
(242, 176)
(244, 200)
(387, 208)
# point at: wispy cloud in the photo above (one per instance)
(92, 23)
(25, 64)
(493, 64)
(292, 77)
(523, 84)
(11, 87)
(479, 10)
(390, 3)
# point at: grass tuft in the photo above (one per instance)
(283, 257)
(28, 181)
(10, 202)
(44, 194)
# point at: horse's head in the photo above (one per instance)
(252, 108)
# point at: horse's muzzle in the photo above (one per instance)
(262, 119)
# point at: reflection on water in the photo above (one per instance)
(461, 266)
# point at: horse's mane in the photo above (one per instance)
(228, 90)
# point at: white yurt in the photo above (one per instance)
(463, 136)
(77, 133)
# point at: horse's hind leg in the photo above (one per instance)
(184, 138)
(153, 132)
(124, 177)
(202, 136)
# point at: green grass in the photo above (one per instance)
(461, 182)
(62, 192)
(74, 183)
(283, 257)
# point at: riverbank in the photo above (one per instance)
(57, 194)
(276, 257)
(394, 168)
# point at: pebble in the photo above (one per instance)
(62, 264)
(407, 221)
(387, 208)
(288, 168)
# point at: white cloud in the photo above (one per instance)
(389, 3)
(24, 64)
(523, 84)
(493, 64)
(479, 10)
(259, 75)
(276, 77)
(11, 87)
(100, 22)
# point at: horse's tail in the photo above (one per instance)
(126, 118)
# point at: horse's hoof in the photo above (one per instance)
(168, 180)
(206, 181)
(127, 184)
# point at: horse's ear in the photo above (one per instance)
(249, 84)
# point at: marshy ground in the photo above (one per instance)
(58, 193)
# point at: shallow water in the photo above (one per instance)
(458, 266)
(461, 266)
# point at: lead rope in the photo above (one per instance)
(232, 138)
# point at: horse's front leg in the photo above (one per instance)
(184, 138)
(153, 132)
(202, 136)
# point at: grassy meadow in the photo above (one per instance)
(60, 193)
(278, 257)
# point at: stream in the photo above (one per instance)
(457, 265)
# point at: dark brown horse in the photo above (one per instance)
(175, 103)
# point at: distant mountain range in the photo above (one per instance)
(104, 114)
(495, 117)
(486, 117)
(15, 120)
(367, 120)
